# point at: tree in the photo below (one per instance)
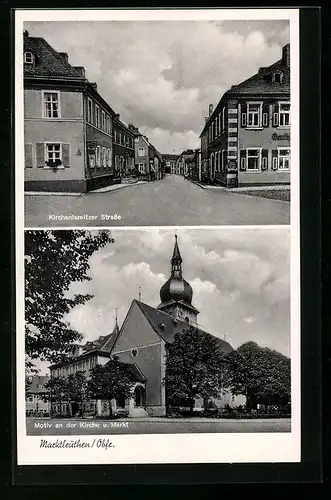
(56, 392)
(76, 390)
(53, 261)
(261, 374)
(194, 365)
(110, 381)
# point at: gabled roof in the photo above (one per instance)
(166, 326)
(168, 157)
(49, 62)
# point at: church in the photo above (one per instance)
(140, 344)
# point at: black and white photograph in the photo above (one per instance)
(156, 331)
(157, 123)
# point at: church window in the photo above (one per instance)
(134, 352)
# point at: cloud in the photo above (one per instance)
(161, 76)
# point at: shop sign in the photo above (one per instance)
(280, 137)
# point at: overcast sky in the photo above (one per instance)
(162, 76)
(240, 280)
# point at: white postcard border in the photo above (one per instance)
(163, 448)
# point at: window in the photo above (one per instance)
(108, 124)
(253, 157)
(223, 119)
(283, 159)
(53, 153)
(120, 141)
(97, 156)
(223, 160)
(28, 58)
(277, 77)
(97, 116)
(284, 114)
(51, 104)
(103, 120)
(89, 110)
(254, 114)
(103, 157)
(141, 168)
(141, 151)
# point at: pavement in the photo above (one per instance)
(156, 425)
(172, 201)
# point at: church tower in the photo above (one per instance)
(176, 294)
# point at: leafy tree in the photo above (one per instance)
(194, 365)
(261, 374)
(76, 390)
(56, 391)
(53, 261)
(110, 381)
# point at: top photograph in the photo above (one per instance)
(156, 123)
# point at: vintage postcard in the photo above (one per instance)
(157, 230)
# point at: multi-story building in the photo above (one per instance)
(124, 149)
(169, 163)
(184, 162)
(246, 138)
(34, 402)
(148, 160)
(67, 124)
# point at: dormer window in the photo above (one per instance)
(277, 77)
(28, 58)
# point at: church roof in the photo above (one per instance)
(104, 343)
(166, 326)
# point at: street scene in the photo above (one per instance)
(170, 201)
(151, 137)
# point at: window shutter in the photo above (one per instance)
(28, 155)
(265, 114)
(66, 155)
(243, 160)
(274, 159)
(275, 115)
(243, 115)
(40, 154)
(264, 165)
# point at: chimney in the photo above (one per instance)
(117, 115)
(206, 119)
(94, 86)
(286, 55)
(81, 70)
(64, 56)
(211, 108)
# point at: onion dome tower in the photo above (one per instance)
(176, 293)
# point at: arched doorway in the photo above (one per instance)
(139, 396)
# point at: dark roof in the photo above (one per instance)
(172, 325)
(37, 384)
(49, 62)
(260, 84)
(168, 157)
(103, 344)
(134, 371)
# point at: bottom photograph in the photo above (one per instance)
(155, 331)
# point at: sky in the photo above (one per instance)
(240, 279)
(162, 75)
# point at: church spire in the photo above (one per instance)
(176, 261)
